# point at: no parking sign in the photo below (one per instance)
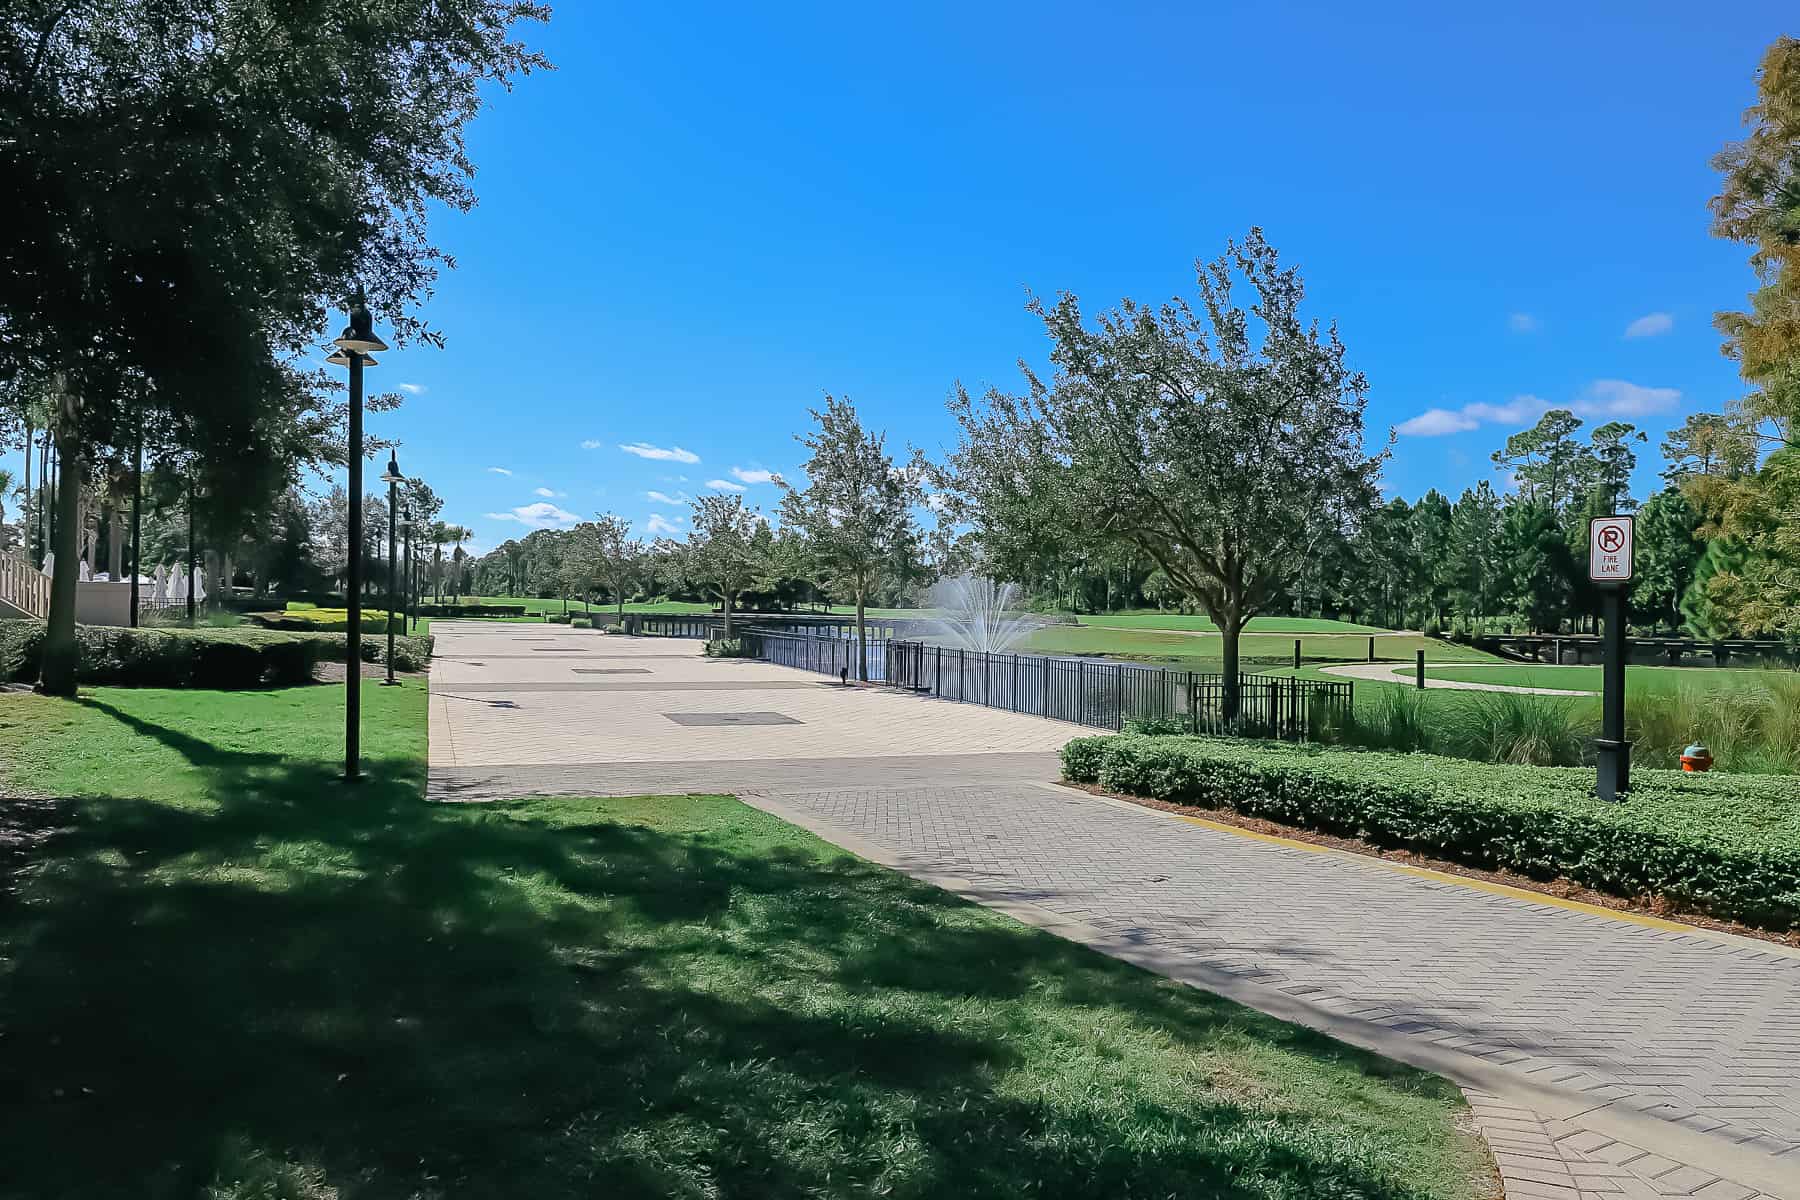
(1609, 549)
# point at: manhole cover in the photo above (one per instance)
(736, 718)
(611, 670)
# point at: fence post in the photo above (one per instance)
(1044, 690)
(1193, 703)
(1119, 696)
(1371, 647)
(1296, 654)
(1015, 682)
(1421, 670)
(1081, 692)
(937, 676)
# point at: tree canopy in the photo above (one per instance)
(1218, 444)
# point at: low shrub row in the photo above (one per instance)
(471, 610)
(1727, 846)
(325, 620)
(728, 648)
(243, 657)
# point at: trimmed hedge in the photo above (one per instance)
(1728, 846)
(471, 610)
(226, 659)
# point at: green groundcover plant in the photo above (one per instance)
(230, 658)
(1727, 846)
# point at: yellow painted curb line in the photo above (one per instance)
(1480, 885)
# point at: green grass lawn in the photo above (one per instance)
(237, 978)
(1649, 679)
(1156, 619)
(1258, 651)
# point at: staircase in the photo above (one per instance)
(24, 590)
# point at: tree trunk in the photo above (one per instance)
(862, 638)
(725, 598)
(1228, 669)
(61, 654)
(25, 517)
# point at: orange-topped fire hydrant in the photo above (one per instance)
(1696, 758)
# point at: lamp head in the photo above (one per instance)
(359, 335)
(392, 474)
(342, 359)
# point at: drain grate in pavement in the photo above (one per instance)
(732, 718)
(610, 670)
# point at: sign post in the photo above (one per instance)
(1610, 547)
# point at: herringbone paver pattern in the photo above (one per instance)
(1699, 1031)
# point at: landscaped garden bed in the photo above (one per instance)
(205, 657)
(1722, 845)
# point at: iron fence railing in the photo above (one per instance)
(1105, 695)
(1098, 694)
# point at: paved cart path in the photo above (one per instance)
(1607, 1059)
(1407, 673)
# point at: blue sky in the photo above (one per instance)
(709, 216)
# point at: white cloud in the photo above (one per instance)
(1523, 323)
(591, 444)
(498, 471)
(547, 494)
(937, 502)
(542, 515)
(724, 485)
(753, 475)
(678, 499)
(670, 454)
(1650, 325)
(412, 389)
(1604, 399)
(661, 524)
(1616, 398)
(1436, 422)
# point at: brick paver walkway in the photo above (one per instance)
(1605, 1060)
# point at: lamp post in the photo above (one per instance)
(354, 350)
(406, 571)
(393, 479)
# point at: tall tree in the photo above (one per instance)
(1706, 446)
(1213, 443)
(1758, 512)
(727, 552)
(1759, 205)
(208, 174)
(856, 511)
(1537, 557)
(1610, 464)
(1434, 564)
(1667, 550)
(1545, 461)
(1475, 559)
(611, 556)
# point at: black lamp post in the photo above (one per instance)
(406, 570)
(355, 347)
(393, 479)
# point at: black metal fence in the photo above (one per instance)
(1105, 695)
(1102, 695)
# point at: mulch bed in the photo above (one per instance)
(1562, 889)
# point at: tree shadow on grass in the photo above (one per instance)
(446, 1001)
